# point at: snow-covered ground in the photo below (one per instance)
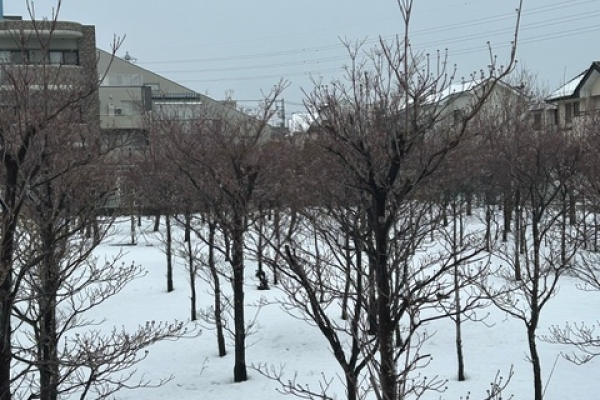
(283, 341)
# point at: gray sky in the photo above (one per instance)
(213, 46)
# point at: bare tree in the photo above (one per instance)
(388, 134)
(220, 155)
(541, 169)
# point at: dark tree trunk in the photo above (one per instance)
(535, 308)
(276, 228)
(572, 206)
(348, 260)
(191, 268)
(518, 228)
(563, 235)
(132, 228)
(169, 252)
(260, 274)
(508, 211)
(187, 234)
(488, 227)
(351, 386)
(9, 228)
(596, 223)
(156, 222)
(469, 199)
(48, 331)
(457, 306)
(372, 306)
(535, 364)
(240, 373)
(217, 288)
(386, 327)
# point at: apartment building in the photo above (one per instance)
(60, 54)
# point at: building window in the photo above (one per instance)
(71, 57)
(56, 57)
(52, 57)
(129, 107)
(18, 57)
(5, 56)
(537, 120)
(155, 87)
(458, 117)
(568, 113)
(124, 80)
(576, 110)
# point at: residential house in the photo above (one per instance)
(578, 101)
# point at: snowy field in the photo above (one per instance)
(283, 341)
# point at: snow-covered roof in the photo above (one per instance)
(300, 122)
(455, 88)
(568, 89)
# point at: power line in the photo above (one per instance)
(416, 33)
(469, 50)
(344, 57)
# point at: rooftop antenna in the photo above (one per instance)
(127, 57)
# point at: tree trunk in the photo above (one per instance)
(563, 235)
(169, 252)
(386, 328)
(351, 386)
(217, 288)
(508, 211)
(191, 268)
(469, 199)
(348, 260)
(372, 306)
(240, 373)
(132, 228)
(457, 307)
(276, 228)
(535, 308)
(535, 364)
(595, 213)
(572, 206)
(518, 228)
(156, 222)
(47, 341)
(8, 231)
(488, 227)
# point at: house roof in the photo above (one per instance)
(458, 89)
(571, 89)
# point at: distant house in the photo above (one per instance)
(446, 107)
(128, 93)
(578, 100)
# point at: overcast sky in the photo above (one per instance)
(214, 46)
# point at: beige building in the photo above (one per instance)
(129, 94)
(65, 50)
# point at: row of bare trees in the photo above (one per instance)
(354, 203)
(362, 222)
